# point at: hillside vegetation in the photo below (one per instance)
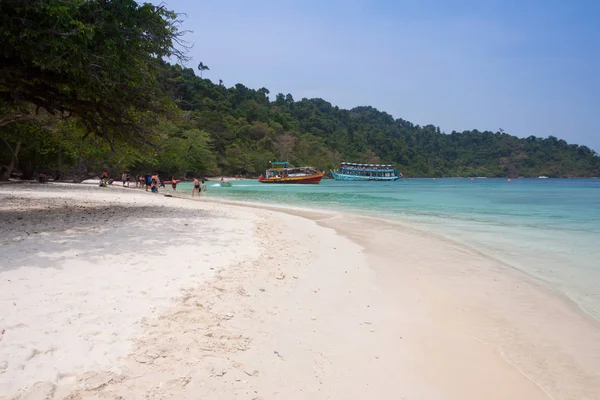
(78, 97)
(248, 130)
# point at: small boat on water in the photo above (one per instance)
(542, 177)
(281, 172)
(225, 183)
(365, 172)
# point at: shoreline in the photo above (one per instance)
(574, 298)
(573, 310)
(551, 296)
(436, 320)
(491, 297)
(316, 213)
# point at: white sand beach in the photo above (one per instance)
(120, 293)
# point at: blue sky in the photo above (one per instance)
(529, 67)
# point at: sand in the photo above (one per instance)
(120, 293)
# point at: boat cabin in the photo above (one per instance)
(282, 169)
(368, 170)
(281, 172)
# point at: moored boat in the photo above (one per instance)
(281, 172)
(225, 183)
(365, 172)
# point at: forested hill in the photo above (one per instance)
(248, 130)
(215, 129)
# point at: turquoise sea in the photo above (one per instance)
(548, 228)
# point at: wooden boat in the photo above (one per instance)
(365, 172)
(281, 172)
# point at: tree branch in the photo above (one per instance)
(16, 118)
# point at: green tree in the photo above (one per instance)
(284, 144)
(96, 60)
(202, 68)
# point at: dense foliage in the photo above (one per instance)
(247, 130)
(93, 66)
(94, 61)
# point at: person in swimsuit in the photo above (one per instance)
(173, 183)
(104, 180)
(196, 187)
(154, 185)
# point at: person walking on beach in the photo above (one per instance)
(203, 187)
(123, 178)
(196, 187)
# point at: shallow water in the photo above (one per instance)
(548, 228)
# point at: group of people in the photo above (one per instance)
(153, 182)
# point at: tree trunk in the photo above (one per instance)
(13, 161)
(59, 158)
(58, 163)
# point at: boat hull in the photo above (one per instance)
(312, 179)
(345, 177)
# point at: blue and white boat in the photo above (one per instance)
(365, 172)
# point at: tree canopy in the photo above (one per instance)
(96, 60)
(248, 129)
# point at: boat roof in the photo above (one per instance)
(290, 168)
(367, 165)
